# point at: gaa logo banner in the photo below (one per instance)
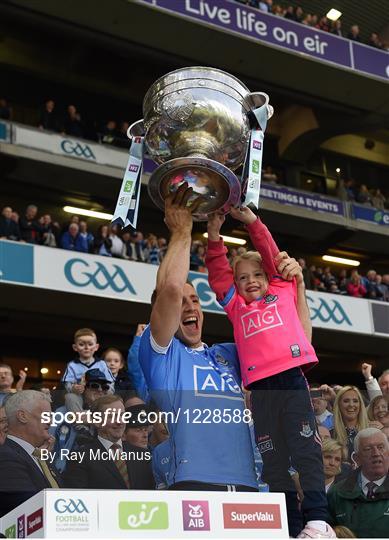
(77, 149)
(330, 310)
(81, 273)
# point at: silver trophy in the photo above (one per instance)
(196, 127)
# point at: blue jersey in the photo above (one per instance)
(209, 438)
(75, 370)
(161, 464)
(135, 370)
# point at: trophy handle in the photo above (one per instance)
(137, 129)
(254, 100)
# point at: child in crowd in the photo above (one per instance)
(85, 345)
(116, 364)
(272, 348)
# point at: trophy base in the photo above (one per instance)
(209, 179)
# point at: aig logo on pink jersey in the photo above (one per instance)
(258, 321)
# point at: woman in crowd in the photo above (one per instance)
(334, 469)
(152, 249)
(350, 416)
(355, 287)
(377, 412)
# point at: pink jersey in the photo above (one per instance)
(268, 333)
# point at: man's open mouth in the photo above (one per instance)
(191, 322)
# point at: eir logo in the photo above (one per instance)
(257, 321)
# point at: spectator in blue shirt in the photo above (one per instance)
(73, 240)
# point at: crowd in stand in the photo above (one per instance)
(311, 19)
(70, 122)
(110, 241)
(353, 425)
(349, 191)
(374, 286)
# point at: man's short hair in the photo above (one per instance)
(154, 295)
(81, 332)
(364, 434)
(102, 402)
(23, 400)
(6, 366)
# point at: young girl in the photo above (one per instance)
(115, 361)
(272, 348)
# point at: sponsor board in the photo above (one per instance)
(195, 515)
(289, 36)
(251, 516)
(143, 515)
(35, 521)
(81, 273)
(69, 147)
(123, 514)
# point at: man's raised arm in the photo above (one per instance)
(173, 271)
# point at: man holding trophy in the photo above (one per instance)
(201, 124)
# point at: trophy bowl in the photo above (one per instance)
(196, 127)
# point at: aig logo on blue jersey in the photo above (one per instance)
(211, 383)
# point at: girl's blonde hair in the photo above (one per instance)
(362, 420)
(248, 256)
(372, 404)
(343, 532)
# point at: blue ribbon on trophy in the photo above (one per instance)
(127, 206)
(252, 168)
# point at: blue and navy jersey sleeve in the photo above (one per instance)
(160, 369)
(229, 352)
(135, 370)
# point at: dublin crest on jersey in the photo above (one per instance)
(269, 298)
(306, 430)
(221, 360)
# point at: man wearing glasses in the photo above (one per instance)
(66, 435)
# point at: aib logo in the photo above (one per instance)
(257, 145)
(81, 274)
(330, 311)
(77, 149)
(195, 515)
(70, 506)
